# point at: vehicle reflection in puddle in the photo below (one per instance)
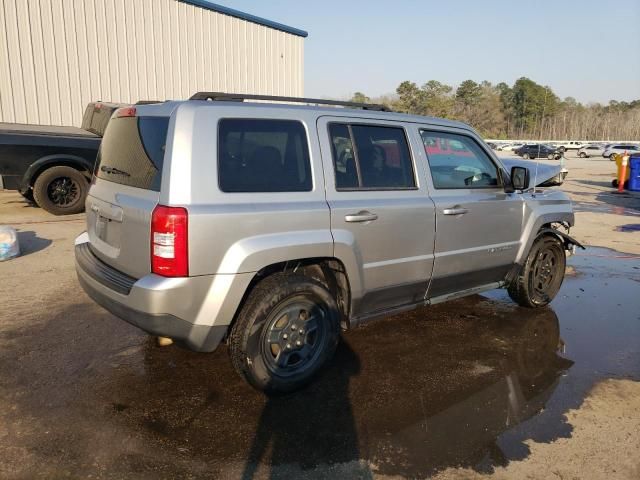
(631, 227)
(410, 395)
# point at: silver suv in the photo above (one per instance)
(274, 226)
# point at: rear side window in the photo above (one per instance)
(132, 152)
(256, 155)
(371, 157)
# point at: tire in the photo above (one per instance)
(551, 156)
(526, 156)
(541, 275)
(582, 155)
(612, 157)
(61, 190)
(268, 327)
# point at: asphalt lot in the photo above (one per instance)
(472, 388)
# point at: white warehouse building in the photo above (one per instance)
(58, 55)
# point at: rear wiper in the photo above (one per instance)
(113, 170)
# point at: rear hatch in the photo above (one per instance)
(125, 190)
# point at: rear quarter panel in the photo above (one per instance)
(240, 232)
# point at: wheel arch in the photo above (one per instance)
(39, 166)
(543, 221)
(329, 271)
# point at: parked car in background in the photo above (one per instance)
(511, 147)
(52, 165)
(570, 145)
(316, 197)
(612, 149)
(538, 150)
(493, 145)
(592, 150)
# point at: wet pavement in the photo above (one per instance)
(463, 383)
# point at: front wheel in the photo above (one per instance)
(541, 276)
(287, 330)
(551, 156)
(526, 156)
(582, 155)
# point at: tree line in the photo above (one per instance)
(524, 110)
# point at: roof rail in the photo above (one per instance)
(240, 97)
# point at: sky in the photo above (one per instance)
(587, 49)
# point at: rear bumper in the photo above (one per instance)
(194, 311)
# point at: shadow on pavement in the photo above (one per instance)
(30, 242)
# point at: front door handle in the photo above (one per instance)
(454, 211)
(361, 216)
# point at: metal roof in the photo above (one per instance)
(246, 16)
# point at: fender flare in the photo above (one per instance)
(47, 161)
(567, 240)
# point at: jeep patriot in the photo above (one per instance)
(272, 226)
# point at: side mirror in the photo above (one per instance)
(520, 178)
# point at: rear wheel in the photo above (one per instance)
(526, 156)
(541, 275)
(61, 190)
(612, 157)
(582, 155)
(551, 156)
(286, 331)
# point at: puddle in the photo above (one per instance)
(599, 314)
(463, 383)
(603, 208)
(632, 227)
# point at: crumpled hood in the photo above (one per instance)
(546, 175)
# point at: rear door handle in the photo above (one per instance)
(362, 216)
(454, 211)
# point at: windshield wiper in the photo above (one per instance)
(114, 171)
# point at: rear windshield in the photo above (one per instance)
(132, 152)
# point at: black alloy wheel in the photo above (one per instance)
(293, 335)
(61, 190)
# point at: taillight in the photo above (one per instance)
(169, 241)
(126, 112)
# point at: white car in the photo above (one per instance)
(620, 148)
(571, 145)
(511, 147)
(593, 150)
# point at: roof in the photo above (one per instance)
(246, 16)
(166, 108)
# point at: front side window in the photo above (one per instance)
(256, 155)
(457, 161)
(370, 157)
